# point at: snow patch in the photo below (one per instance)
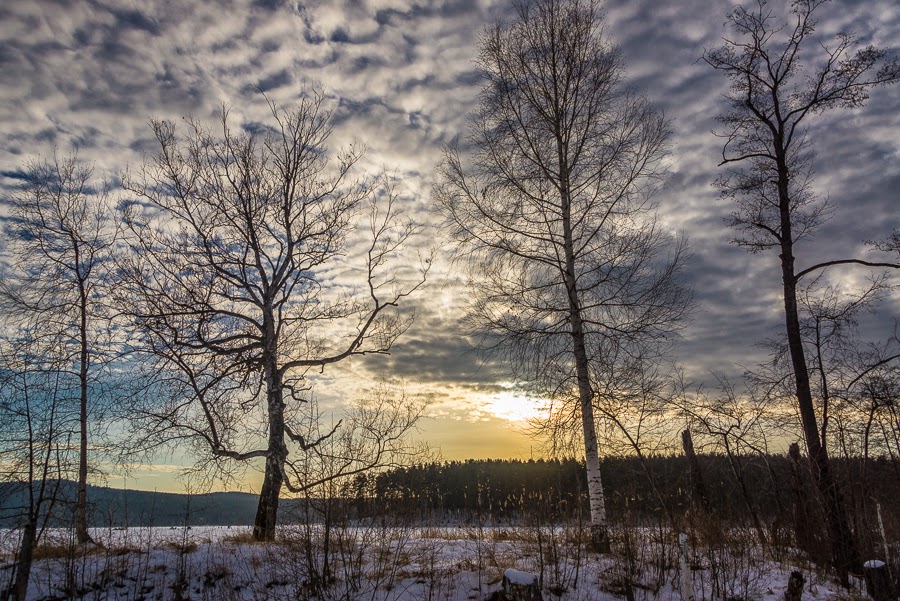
(519, 577)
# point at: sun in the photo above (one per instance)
(515, 406)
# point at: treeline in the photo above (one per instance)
(660, 485)
(508, 491)
(771, 493)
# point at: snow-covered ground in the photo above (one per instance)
(378, 563)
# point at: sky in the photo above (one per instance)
(401, 79)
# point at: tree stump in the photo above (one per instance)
(520, 586)
(794, 589)
(878, 580)
(699, 496)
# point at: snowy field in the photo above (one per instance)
(393, 563)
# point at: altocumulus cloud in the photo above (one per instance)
(401, 79)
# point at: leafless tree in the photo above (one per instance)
(58, 237)
(850, 378)
(373, 435)
(739, 424)
(35, 441)
(242, 247)
(555, 213)
(873, 394)
(781, 76)
(839, 360)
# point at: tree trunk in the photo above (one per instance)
(269, 495)
(81, 531)
(843, 546)
(24, 560)
(803, 520)
(267, 510)
(599, 526)
(794, 591)
(596, 497)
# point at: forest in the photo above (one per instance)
(192, 306)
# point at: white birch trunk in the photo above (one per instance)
(596, 497)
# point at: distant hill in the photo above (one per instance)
(117, 507)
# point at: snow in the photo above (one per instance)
(520, 578)
(393, 563)
(874, 563)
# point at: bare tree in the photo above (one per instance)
(59, 235)
(231, 281)
(569, 266)
(781, 76)
(848, 377)
(838, 358)
(739, 424)
(873, 393)
(34, 442)
(373, 436)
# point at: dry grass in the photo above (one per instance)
(182, 548)
(494, 534)
(54, 550)
(243, 538)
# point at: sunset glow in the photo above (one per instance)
(515, 407)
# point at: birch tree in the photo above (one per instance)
(553, 208)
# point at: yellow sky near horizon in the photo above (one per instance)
(449, 439)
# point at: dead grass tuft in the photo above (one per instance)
(181, 548)
(64, 550)
(242, 538)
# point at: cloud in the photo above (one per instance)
(401, 78)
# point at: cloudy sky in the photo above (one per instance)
(401, 78)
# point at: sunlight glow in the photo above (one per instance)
(515, 406)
